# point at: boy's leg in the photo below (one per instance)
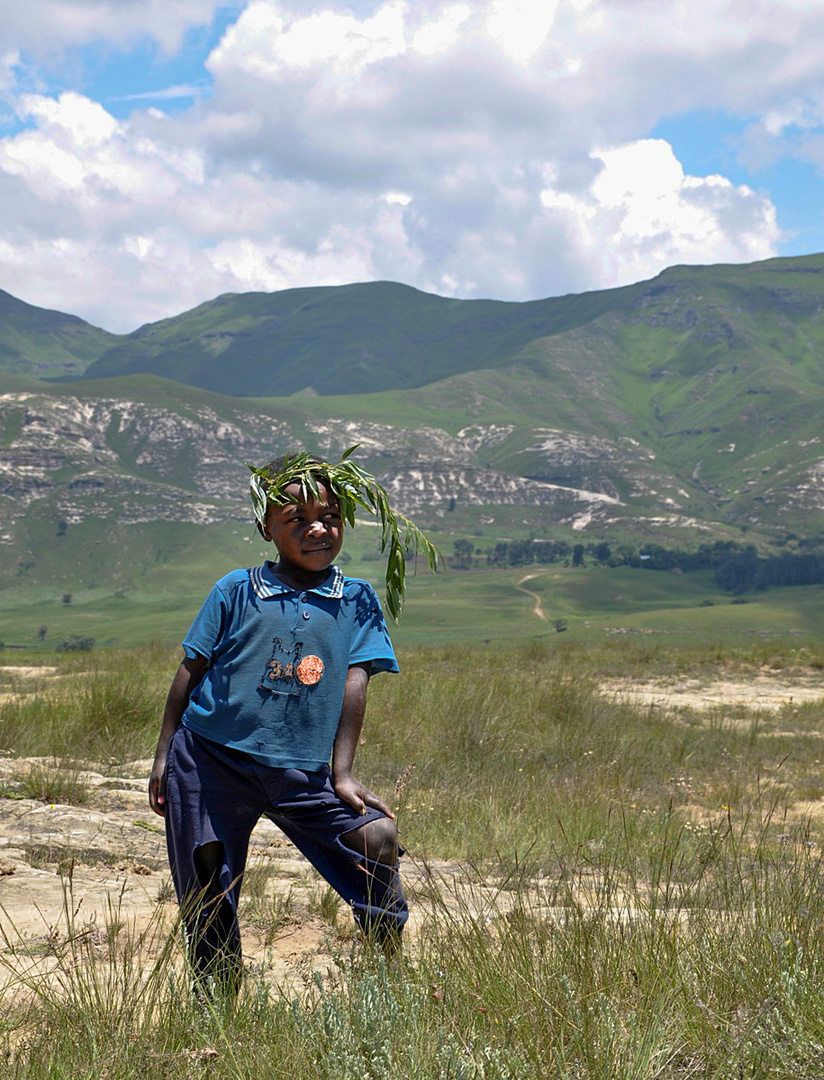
(356, 853)
(208, 823)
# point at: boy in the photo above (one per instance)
(273, 681)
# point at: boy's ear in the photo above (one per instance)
(264, 531)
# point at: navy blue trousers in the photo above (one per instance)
(214, 796)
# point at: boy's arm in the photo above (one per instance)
(187, 677)
(346, 743)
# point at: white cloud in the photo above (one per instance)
(70, 116)
(488, 148)
(265, 44)
(9, 62)
(41, 26)
(642, 214)
(792, 114)
(521, 27)
(167, 93)
(441, 33)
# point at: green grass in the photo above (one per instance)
(138, 597)
(639, 894)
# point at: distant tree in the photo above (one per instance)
(42, 631)
(521, 552)
(67, 598)
(62, 528)
(498, 555)
(560, 625)
(464, 550)
(602, 552)
(544, 551)
(578, 555)
(76, 643)
(738, 573)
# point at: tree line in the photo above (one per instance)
(737, 568)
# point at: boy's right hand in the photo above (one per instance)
(157, 788)
(186, 678)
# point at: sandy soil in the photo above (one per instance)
(77, 870)
(764, 691)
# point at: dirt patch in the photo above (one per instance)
(771, 692)
(21, 672)
(66, 870)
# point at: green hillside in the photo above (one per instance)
(682, 345)
(348, 339)
(42, 343)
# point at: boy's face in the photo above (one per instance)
(308, 534)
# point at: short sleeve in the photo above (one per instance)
(370, 639)
(208, 625)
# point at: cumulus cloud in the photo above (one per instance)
(642, 213)
(42, 26)
(491, 148)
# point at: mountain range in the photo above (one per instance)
(676, 408)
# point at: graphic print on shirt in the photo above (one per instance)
(288, 673)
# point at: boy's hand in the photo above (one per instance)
(157, 788)
(358, 796)
(186, 678)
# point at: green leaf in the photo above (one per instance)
(353, 487)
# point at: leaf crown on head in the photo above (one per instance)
(353, 488)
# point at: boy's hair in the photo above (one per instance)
(269, 475)
(275, 466)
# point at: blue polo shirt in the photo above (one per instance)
(278, 660)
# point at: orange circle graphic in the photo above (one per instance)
(310, 670)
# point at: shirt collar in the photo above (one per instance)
(267, 584)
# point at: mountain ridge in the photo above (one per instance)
(683, 404)
(42, 342)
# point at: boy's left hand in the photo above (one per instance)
(359, 796)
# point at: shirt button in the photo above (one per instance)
(306, 614)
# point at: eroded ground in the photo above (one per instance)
(758, 691)
(91, 871)
(100, 869)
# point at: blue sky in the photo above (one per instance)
(157, 153)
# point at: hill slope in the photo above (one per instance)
(348, 339)
(691, 327)
(42, 343)
(680, 409)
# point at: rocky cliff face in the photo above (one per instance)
(141, 462)
(118, 458)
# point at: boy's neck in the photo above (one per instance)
(296, 578)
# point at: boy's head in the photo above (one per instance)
(307, 532)
(302, 518)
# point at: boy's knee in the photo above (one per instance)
(208, 860)
(376, 840)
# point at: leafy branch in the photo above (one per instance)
(353, 488)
